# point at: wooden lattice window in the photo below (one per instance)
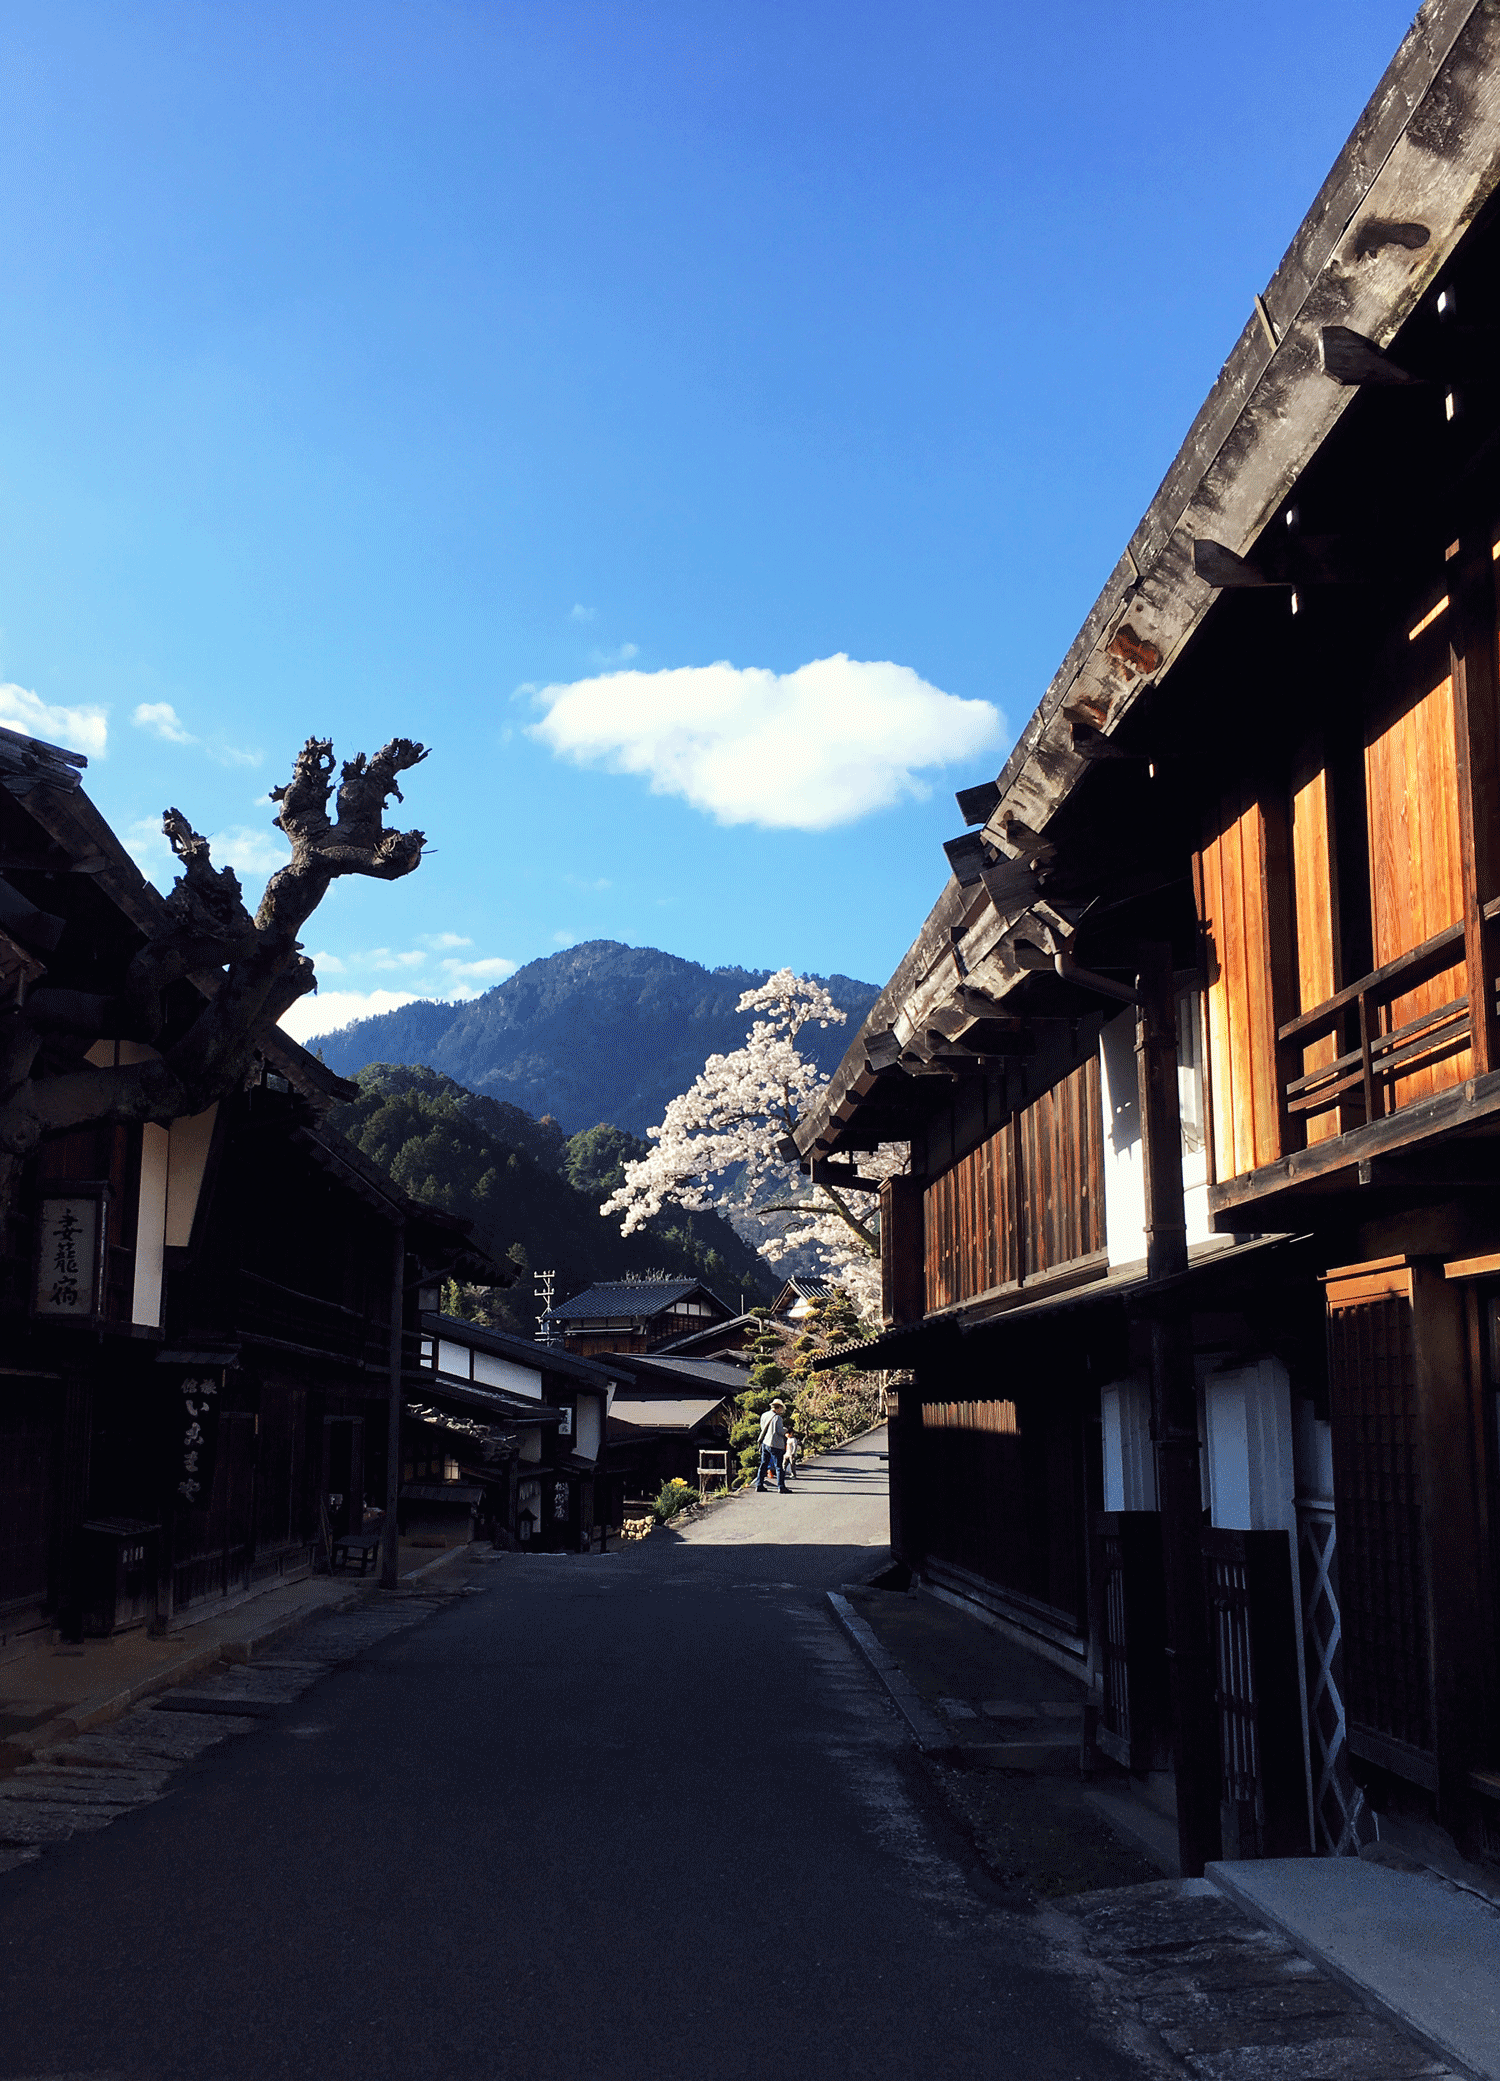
(1378, 1499)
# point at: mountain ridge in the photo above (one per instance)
(598, 1034)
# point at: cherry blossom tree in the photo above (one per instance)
(720, 1146)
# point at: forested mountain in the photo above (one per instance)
(600, 1032)
(526, 1186)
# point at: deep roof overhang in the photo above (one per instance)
(1420, 163)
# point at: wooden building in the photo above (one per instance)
(667, 1409)
(507, 1438)
(634, 1315)
(1195, 1281)
(195, 1318)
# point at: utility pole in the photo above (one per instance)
(542, 1284)
(1174, 1421)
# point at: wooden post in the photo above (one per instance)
(390, 1545)
(903, 1272)
(1472, 660)
(1174, 1423)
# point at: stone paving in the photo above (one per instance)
(87, 1782)
(1195, 1987)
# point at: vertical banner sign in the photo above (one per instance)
(200, 1434)
(70, 1258)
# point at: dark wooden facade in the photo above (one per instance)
(1263, 793)
(227, 1390)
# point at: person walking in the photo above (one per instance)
(793, 1452)
(773, 1447)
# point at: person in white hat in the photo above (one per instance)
(773, 1447)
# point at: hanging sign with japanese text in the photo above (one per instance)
(70, 1258)
(199, 1402)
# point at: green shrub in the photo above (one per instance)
(673, 1496)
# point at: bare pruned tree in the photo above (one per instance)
(244, 972)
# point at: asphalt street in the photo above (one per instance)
(644, 1813)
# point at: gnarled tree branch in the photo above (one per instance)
(250, 969)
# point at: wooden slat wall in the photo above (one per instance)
(1047, 1168)
(1233, 890)
(1416, 876)
(1315, 885)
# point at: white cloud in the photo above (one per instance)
(79, 729)
(802, 750)
(620, 656)
(327, 1010)
(492, 970)
(248, 850)
(444, 940)
(326, 963)
(578, 612)
(162, 720)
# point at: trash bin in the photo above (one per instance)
(117, 1573)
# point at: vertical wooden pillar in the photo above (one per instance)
(1174, 1423)
(903, 1277)
(390, 1548)
(1472, 658)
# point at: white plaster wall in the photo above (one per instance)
(150, 1227)
(1124, 1170)
(590, 1427)
(1129, 1455)
(490, 1371)
(1252, 1485)
(453, 1358)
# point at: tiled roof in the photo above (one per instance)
(631, 1297)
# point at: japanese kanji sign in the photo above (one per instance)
(199, 1434)
(69, 1258)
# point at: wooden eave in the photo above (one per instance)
(1420, 163)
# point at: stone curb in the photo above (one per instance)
(1223, 1876)
(931, 1735)
(67, 1726)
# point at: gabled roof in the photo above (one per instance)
(655, 1374)
(711, 1333)
(803, 1290)
(661, 1415)
(636, 1299)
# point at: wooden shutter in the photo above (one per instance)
(1416, 875)
(1236, 903)
(1315, 892)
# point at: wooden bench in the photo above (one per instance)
(366, 1544)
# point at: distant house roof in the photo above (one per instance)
(521, 1351)
(632, 1300)
(631, 1418)
(658, 1375)
(713, 1334)
(802, 1290)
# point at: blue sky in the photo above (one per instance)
(488, 373)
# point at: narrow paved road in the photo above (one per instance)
(637, 1814)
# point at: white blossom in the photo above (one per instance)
(718, 1146)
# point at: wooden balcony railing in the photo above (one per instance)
(1374, 1054)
